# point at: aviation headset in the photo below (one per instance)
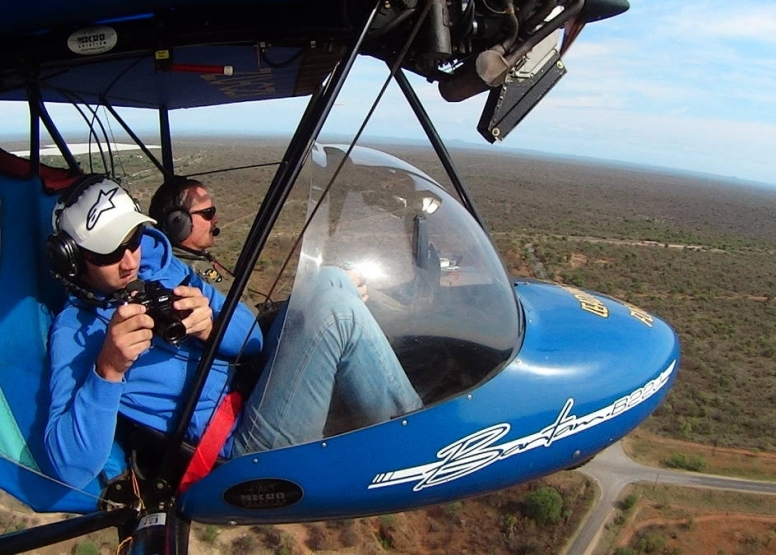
(66, 258)
(168, 209)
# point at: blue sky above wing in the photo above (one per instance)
(685, 85)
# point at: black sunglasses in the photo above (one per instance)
(115, 256)
(207, 213)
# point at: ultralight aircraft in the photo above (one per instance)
(519, 378)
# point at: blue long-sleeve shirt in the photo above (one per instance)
(84, 406)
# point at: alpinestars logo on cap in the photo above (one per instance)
(103, 204)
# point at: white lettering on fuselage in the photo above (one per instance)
(478, 450)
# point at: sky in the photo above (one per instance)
(678, 85)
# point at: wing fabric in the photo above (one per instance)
(30, 297)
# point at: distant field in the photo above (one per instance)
(699, 253)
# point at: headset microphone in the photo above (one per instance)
(215, 232)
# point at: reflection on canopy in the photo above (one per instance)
(435, 283)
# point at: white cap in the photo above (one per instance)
(101, 218)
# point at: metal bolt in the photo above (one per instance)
(496, 132)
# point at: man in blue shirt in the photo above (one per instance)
(106, 359)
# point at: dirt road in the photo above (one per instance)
(612, 469)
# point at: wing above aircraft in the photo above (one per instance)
(184, 54)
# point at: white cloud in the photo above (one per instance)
(742, 21)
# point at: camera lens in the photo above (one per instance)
(169, 326)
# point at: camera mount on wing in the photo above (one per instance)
(523, 63)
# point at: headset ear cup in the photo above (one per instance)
(177, 225)
(65, 257)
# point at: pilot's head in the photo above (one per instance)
(97, 233)
(186, 213)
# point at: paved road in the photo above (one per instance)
(612, 469)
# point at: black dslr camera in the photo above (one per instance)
(168, 322)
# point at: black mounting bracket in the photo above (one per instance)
(508, 104)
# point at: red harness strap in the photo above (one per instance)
(212, 440)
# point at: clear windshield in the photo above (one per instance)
(429, 275)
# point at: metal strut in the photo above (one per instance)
(436, 142)
(310, 125)
(56, 532)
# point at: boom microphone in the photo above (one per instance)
(215, 232)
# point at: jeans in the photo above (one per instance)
(330, 344)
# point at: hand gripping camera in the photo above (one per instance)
(168, 322)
